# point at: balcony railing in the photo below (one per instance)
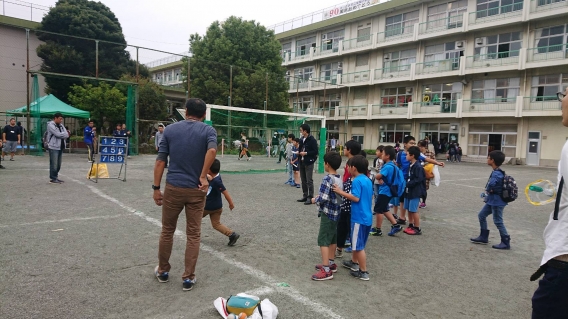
(490, 105)
(325, 111)
(327, 81)
(493, 59)
(298, 84)
(497, 13)
(356, 77)
(393, 72)
(326, 49)
(438, 66)
(448, 23)
(541, 103)
(436, 107)
(359, 42)
(356, 110)
(552, 52)
(300, 54)
(389, 109)
(545, 5)
(396, 34)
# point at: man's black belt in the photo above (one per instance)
(553, 263)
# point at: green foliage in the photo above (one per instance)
(67, 55)
(254, 53)
(104, 102)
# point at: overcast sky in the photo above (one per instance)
(167, 24)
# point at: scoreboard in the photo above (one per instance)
(113, 150)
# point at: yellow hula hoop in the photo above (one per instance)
(553, 198)
(426, 98)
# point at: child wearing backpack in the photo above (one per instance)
(328, 203)
(494, 203)
(389, 176)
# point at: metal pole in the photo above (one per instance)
(31, 11)
(265, 103)
(264, 120)
(230, 98)
(137, 109)
(188, 77)
(297, 96)
(28, 90)
(97, 58)
(346, 113)
(323, 105)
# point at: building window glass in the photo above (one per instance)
(362, 59)
(394, 132)
(499, 46)
(486, 138)
(358, 138)
(330, 40)
(551, 39)
(286, 48)
(329, 72)
(495, 90)
(305, 103)
(399, 60)
(364, 34)
(546, 2)
(447, 14)
(331, 101)
(304, 46)
(401, 23)
(545, 87)
(444, 51)
(486, 8)
(304, 74)
(396, 97)
(446, 95)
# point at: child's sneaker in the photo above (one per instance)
(401, 221)
(373, 231)
(163, 277)
(348, 242)
(233, 239)
(360, 275)
(188, 284)
(348, 250)
(394, 230)
(378, 232)
(422, 205)
(338, 253)
(322, 275)
(395, 216)
(409, 230)
(415, 231)
(350, 265)
(332, 268)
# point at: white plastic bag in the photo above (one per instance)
(436, 176)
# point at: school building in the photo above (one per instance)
(483, 73)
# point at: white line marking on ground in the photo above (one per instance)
(64, 220)
(471, 186)
(260, 291)
(267, 279)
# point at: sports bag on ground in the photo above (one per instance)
(238, 304)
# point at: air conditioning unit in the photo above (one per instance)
(387, 56)
(324, 36)
(287, 73)
(459, 44)
(408, 90)
(479, 41)
(339, 65)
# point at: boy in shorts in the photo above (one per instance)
(415, 189)
(386, 177)
(329, 210)
(361, 198)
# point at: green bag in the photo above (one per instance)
(238, 304)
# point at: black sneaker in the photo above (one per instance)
(60, 181)
(2, 167)
(302, 200)
(233, 239)
(54, 181)
(188, 284)
(378, 232)
(401, 221)
(163, 277)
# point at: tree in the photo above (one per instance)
(77, 56)
(106, 103)
(254, 53)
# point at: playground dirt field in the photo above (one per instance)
(88, 250)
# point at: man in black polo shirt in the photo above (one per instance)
(10, 138)
(308, 154)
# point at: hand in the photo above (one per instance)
(231, 206)
(335, 188)
(209, 177)
(4, 140)
(203, 184)
(441, 164)
(303, 153)
(157, 149)
(158, 196)
(381, 182)
(313, 200)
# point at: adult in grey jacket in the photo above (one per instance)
(56, 135)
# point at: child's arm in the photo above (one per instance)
(324, 192)
(429, 160)
(229, 199)
(348, 196)
(494, 180)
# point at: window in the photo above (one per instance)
(399, 60)
(396, 97)
(495, 90)
(401, 23)
(484, 138)
(486, 8)
(545, 2)
(551, 39)
(330, 40)
(447, 14)
(395, 132)
(303, 46)
(178, 75)
(442, 52)
(362, 59)
(305, 103)
(499, 46)
(329, 72)
(358, 138)
(304, 74)
(445, 95)
(364, 34)
(545, 87)
(331, 101)
(286, 48)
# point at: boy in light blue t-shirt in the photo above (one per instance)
(361, 198)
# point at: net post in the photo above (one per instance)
(323, 134)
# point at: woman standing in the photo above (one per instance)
(244, 147)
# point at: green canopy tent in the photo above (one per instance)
(49, 105)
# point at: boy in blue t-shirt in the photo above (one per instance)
(387, 177)
(361, 198)
(214, 202)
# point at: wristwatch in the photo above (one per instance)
(154, 187)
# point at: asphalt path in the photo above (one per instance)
(86, 250)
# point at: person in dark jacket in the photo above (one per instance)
(415, 189)
(308, 155)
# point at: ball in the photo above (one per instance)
(540, 192)
(242, 315)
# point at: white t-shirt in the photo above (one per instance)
(556, 232)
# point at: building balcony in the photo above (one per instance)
(500, 61)
(399, 73)
(396, 36)
(446, 67)
(495, 16)
(325, 51)
(299, 85)
(356, 111)
(358, 43)
(435, 109)
(541, 106)
(324, 82)
(543, 56)
(356, 78)
(389, 111)
(489, 107)
(547, 8)
(449, 25)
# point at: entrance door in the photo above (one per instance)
(495, 141)
(533, 148)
